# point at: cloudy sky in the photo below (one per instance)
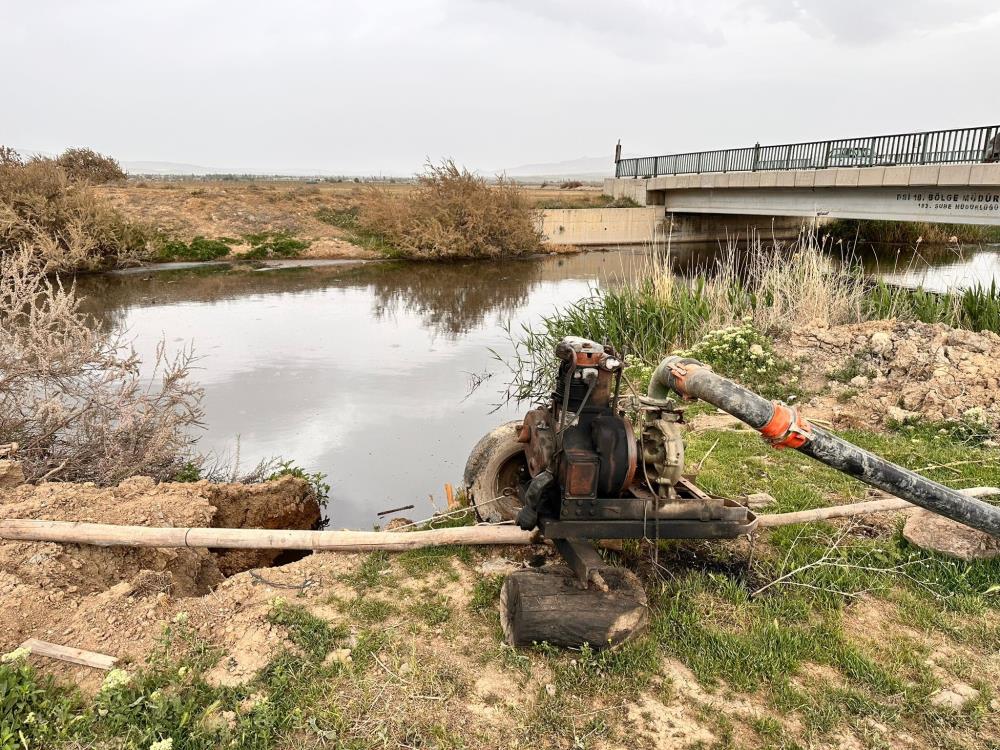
(378, 86)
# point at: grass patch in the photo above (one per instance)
(433, 610)
(314, 636)
(419, 562)
(369, 609)
(267, 245)
(373, 573)
(347, 219)
(199, 249)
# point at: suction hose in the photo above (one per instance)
(784, 427)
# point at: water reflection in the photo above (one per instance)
(361, 372)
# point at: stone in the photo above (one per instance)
(901, 415)
(397, 523)
(880, 343)
(757, 500)
(955, 697)
(11, 474)
(939, 534)
(859, 381)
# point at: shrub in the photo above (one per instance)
(86, 165)
(570, 185)
(452, 213)
(72, 396)
(64, 223)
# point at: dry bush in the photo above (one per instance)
(451, 213)
(71, 395)
(777, 286)
(86, 165)
(67, 226)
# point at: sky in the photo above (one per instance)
(380, 87)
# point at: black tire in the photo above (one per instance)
(495, 466)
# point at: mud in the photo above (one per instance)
(903, 370)
(109, 599)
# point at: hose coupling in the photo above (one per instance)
(787, 428)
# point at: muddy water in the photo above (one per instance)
(362, 372)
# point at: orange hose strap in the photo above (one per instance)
(787, 428)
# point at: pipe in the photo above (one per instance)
(784, 427)
(110, 535)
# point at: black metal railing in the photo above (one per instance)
(962, 146)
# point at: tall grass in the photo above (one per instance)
(908, 232)
(775, 288)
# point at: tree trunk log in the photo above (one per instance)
(108, 535)
(548, 605)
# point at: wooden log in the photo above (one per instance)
(70, 654)
(109, 535)
(547, 604)
(887, 503)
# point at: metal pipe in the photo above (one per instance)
(784, 427)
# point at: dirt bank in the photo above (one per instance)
(875, 373)
(110, 599)
(186, 209)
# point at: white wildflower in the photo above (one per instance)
(115, 679)
(18, 654)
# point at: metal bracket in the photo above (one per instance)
(584, 560)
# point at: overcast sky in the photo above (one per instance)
(378, 86)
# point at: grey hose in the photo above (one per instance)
(786, 428)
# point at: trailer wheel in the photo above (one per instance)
(547, 604)
(495, 468)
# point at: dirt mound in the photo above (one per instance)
(890, 370)
(104, 595)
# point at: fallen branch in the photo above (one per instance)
(856, 509)
(109, 535)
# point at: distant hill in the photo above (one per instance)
(584, 168)
(168, 167)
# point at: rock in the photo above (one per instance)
(880, 343)
(939, 534)
(11, 474)
(338, 656)
(901, 415)
(955, 696)
(859, 381)
(758, 500)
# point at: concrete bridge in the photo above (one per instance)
(950, 176)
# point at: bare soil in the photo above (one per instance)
(186, 209)
(904, 370)
(116, 599)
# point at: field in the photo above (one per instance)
(234, 209)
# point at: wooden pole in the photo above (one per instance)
(856, 509)
(109, 535)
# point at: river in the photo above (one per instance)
(364, 371)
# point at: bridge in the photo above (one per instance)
(944, 176)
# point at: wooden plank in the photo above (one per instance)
(70, 654)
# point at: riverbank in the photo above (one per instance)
(840, 634)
